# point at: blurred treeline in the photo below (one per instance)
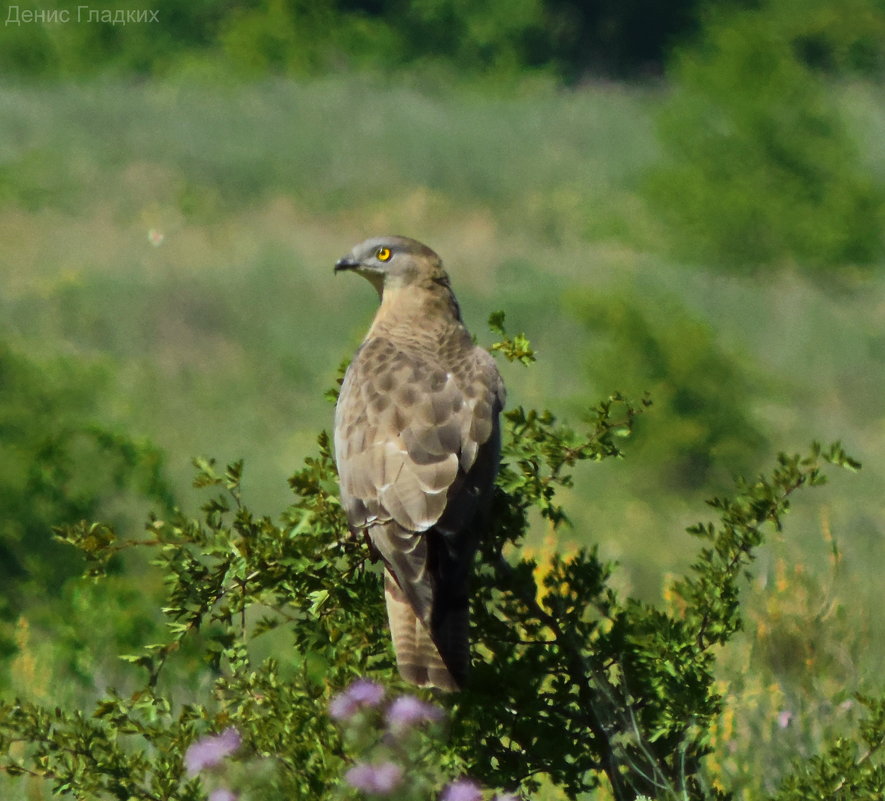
(754, 112)
(566, 37)
(569, 40)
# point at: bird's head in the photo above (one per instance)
(394, 262)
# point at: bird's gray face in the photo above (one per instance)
(388, 262)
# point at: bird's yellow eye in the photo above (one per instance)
(383, 254)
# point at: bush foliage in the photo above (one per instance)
(761, 168)
(573, 685)
(701, 394)
(60, 465)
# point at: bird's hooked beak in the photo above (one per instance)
(346, 263)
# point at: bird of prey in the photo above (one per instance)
(417, 443)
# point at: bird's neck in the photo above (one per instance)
(416, 308)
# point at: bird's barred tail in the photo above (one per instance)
(417, 656)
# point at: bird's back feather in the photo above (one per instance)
(417, 445)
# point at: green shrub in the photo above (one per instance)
(700, 433)
(59, 466)
(573, 684)
(761, 169)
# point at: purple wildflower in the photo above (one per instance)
(784, 718)
(362, 693)
(207, 752)
(462, 790)
(222, 794)
(378, 779)
(342, 707)
(407, 711)
(366, 692)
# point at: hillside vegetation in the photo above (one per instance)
(713, 240)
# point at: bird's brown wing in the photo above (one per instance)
(408, 439)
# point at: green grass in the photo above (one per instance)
(221, 340)
(223, 337)
(239, 302)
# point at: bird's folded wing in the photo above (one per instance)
(407, 431)
(406, 428)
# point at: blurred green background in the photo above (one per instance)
(683, 198)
